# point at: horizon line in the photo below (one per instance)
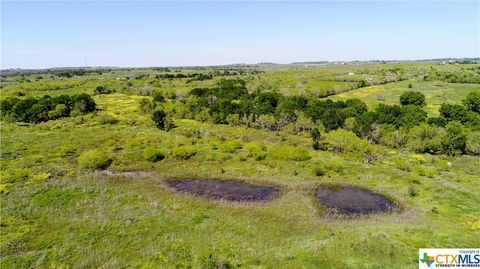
(247, 64)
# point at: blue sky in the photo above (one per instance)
(60, 33)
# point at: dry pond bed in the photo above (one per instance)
(353, 201)
(224, 190)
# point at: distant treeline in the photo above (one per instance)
(61, 72)
(196, 76)
(206, 76)
(46, 108)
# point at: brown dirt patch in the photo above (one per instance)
(354, 201)
(131, 174)
(224, 190)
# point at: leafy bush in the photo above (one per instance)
(162, 120)
(437, 121)
(267, 122)
(83, 103)
(158, 97)
(455, 141)
(459, 113)
(320, 171)
(159, 118)
(403, 164)
(184, 152)
(146, 105)
(316, 139)
(255, 150)
(472, 102)
(335, 165)
(107, 119)
(289, 153)
(412, 191)
(346, 141)
(94, 159)
(231, 146)
(391, 137)
(425, 138)
(473, 144)
(153, 155)
(411, 115)
(412, 98)
(425, 171)
(103, 90)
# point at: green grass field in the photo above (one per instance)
(436, 93)
(56, 214)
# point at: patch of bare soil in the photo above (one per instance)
(353, 201)
(224, 190)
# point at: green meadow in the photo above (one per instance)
(436, 93)
(58, 211)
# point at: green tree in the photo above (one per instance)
(472, 102)
(455, 112)
(455, 141)
(411, 116)
(84, 103)
(159, 117)
(412, 98)
(316, 139)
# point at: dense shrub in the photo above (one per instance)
(316, 139)
(46, 108)
(320, 171)
(162, 120)
(184, 152)
(392, 137)
(158, 97)
(403, 164)
(455, 140)
(456, 112)
(345, 141)
(267, 122)
(153, 155)
(473, 144)
(335, 165)
(425, 138)
(289, 153)
(412, 98)
(411, 115)
(472, 102)
(255, 150)
(146, 105)
(231, 146)
(437, 121)
(159, 118)
(107, 119)
(94, 159)
(83, 103)
(103, 90)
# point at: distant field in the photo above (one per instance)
(436, 93)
